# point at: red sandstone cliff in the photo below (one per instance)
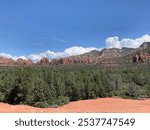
(21, 61)
(6, 61)
(44, 61)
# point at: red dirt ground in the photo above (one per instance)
(101, 105)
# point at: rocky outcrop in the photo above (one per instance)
(21, 61)
(29, 62)
(6, 61)
(143, 53)
(76, 60)
(44, 61)
(141, 57)
(110, 53)
(95, 57)
(145, 45)
(10, 62)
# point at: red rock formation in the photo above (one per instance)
(75, 60)
(141, 57)
(6, 61)
(54, 62)
(29, 62)
(21, 61)
(44, 61)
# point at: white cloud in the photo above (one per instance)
(6, 55)
(79, 50)
(35, 57)
(22, 57)
(114, 42)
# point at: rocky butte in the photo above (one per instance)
(6, 61)
(10, 62)
(105, 56)
(21, 61)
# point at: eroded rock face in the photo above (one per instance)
(141, 57)
(29, 62)
(143, 53)
(75, 60)
(21, 61)
(6, 61)
(145, 45)
(44, 61)
(95, 57)
(10, 62)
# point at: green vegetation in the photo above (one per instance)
(52, 86)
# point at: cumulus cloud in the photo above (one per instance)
(114, 42)
(79, 50)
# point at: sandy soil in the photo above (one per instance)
(102, 105)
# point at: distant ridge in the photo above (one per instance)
(107, 56)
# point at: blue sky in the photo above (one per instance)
(35, 26)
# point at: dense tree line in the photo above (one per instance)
(52, 86)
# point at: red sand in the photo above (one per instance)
(101, 105)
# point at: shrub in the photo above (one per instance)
(135, 91)
(61, 100)
(41, 104)
(2, 96)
